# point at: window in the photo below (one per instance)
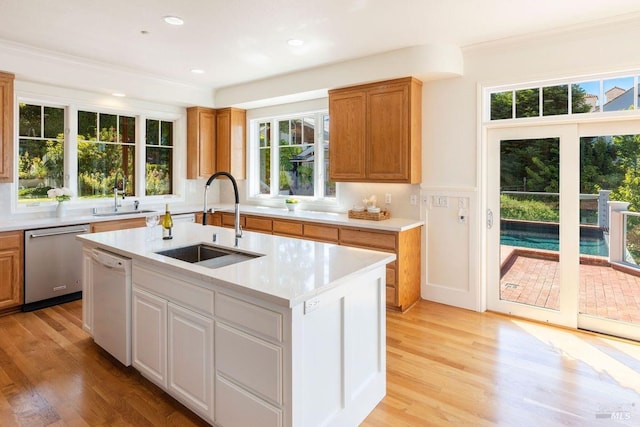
(40, 150)
(106, 154)
(159, 157)
(292, 156)
(618, 93)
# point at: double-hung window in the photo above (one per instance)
(292, 157)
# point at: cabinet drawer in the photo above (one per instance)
(236, 407)
(249, 361)
(368, 239)
(321, 232)
(287, 228)
(256, 320)
(11, 240)
(228, 220)
(257, 224)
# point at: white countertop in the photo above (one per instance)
(392, 224)
(290, 272)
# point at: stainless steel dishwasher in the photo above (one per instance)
(52, 266)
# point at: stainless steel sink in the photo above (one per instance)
(208, 256)
(112, 213)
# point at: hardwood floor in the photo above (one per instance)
(446, 367)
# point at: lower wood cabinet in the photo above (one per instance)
(11, 270)
(403, 275)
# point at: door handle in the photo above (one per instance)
(489, 218)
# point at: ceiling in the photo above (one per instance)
(237, 41)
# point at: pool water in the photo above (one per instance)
(589, 245)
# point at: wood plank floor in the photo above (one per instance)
(446, 367)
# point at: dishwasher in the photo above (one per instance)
(111, 303)
(52, 266)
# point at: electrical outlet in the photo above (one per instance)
(311, 305)
(462, 203)
(387, 198)
(413, 199)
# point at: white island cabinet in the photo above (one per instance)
(292, 337)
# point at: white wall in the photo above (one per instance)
(453, 147)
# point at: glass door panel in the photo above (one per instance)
(529, 255)
(609, 278)
(530, 221)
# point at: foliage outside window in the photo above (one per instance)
(40, 150)
(106, 154)
(574, 97)
(293, 157)
(159, 157)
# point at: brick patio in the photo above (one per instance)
(534, 279)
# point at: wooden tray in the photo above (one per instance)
(382, 215)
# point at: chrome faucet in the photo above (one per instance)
(237, 207)
(117, 192)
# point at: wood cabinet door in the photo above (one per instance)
(11, 271)
(347, 123)
(231, 141)
(201, 142)
(6, 127)
(10, 283)
(388, 133)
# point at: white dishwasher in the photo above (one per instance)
(111, 303)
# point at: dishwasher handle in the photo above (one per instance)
(46, 233)
(109, 260)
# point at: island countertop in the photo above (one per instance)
(289, 272)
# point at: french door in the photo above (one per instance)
(548, 226)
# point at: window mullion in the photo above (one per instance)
(275, 156)
(71, 149)
(318, 152)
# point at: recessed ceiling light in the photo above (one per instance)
(197, 71)
(173, 20)
(119, 94)
(295, 42)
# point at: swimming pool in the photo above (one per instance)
(542, 236)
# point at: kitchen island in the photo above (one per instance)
(292, 335)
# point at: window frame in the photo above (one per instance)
(600, 112)
(140, 112)
(253, 191)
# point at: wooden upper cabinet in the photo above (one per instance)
(6, 127)
(376, 132)
(347, 122)
(231, 141)
(201, 142)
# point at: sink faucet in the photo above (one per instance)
(117, 192)
(235, 191)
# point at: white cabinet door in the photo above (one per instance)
(149, 336)
(190, 359)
